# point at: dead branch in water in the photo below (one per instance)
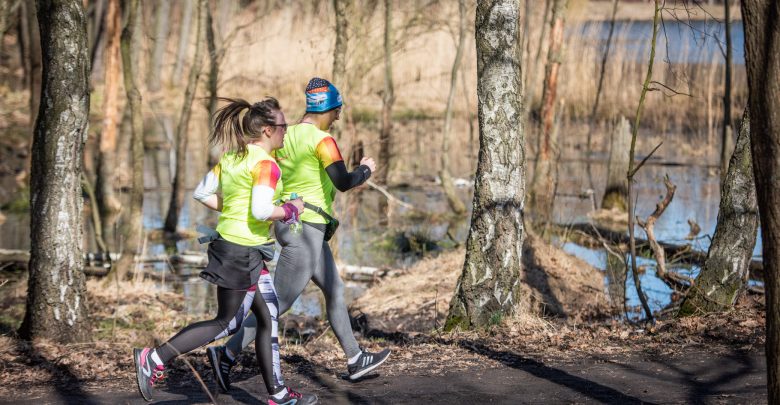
(389, 196)
(672, 279)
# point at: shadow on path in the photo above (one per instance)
(588, 388)
(67, 384)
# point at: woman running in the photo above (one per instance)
(249, 180)
(313, 168)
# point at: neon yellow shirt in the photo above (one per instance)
(236, 179)
(306, 153)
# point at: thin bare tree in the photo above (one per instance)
(446, 178)
(182, 133)
(160, 38)
(633, 167)
(545, 172)
(132, 226)
(184, 40)
(107, 201)
(726, 144)
(602, 71)
(388, 98)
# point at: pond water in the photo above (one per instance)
(362, 241)
(685, 41)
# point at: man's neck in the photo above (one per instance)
(318, 120)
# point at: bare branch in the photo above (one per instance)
(672, 279)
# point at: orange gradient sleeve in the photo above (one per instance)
(328, 152)
(266, 173)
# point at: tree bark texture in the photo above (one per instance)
(762, 59)
(132, 226)
(488, 288)
(388, 98)
(616, 193)
(182, 133)
(56, 307)
(184, 41)
(545, 173)
(446, 178)
(727, 267)
(161, 26)
(107, 201)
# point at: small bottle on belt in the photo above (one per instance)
(296, 227)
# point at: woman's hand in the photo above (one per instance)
(369, 162)
(298, 203)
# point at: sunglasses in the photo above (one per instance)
(284, 126)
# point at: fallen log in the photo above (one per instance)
(195, 259)
(681, 253)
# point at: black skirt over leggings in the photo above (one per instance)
(228, 267)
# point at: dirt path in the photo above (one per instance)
(698, 377)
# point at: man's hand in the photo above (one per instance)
(369, 162)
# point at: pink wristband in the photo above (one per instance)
(290, 213)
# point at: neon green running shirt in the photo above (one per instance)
(306, 153)
(236, 179)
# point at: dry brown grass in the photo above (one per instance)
(554, 284)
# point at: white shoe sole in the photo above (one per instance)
(361, 373)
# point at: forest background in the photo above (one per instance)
(259, 48)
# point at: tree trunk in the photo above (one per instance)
(132, 227)
(602, 71)
(488, 288)
(388, 98)
(342, 41)
(545, 176)
(726, 145)
(7, 11)
(162, 23)
(762, 59)
(34, 55)
(184, 41)
(96, 28)
(182, 133)
(108, 203)
(341, 8)
(616, 282)
(446, 178)
(532, 67)
(726, 270)
(56, 304)
(213, 80)
(633, 169)
(616, 193)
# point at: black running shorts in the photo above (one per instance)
(233, 266)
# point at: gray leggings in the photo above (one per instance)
(304, 257)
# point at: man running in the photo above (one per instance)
(313, 168)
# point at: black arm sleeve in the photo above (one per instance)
(344, 180)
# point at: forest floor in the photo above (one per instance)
(581, 356)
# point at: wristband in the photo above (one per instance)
(290, 213)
